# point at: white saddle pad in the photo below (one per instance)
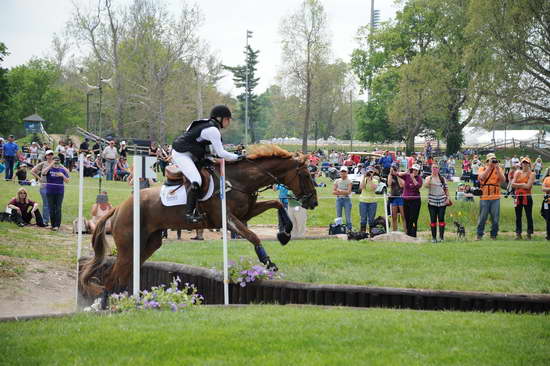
(179, 197)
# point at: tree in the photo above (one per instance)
(305, 46)
(515, 37)
(422, 99)
(421, 28)
(241, 74)
(4, 93)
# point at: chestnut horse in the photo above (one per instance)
(270, 165)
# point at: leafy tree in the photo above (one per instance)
(239, 78)
(515, 37)
(4, 93)
(304, 47)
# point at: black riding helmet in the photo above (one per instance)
(220, 110)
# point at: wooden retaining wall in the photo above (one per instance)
(210, 284)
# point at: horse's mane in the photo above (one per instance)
(267, 151)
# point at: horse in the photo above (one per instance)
(269, 165)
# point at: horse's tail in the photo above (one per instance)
(90, 266)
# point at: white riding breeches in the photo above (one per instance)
(185, 163)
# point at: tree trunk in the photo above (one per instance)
(409, 144)
(308, 102)
(162, 118)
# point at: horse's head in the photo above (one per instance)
(299, 181)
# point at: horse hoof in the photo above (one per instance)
(272, 266)
(283, 238)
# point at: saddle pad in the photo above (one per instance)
(179, 197)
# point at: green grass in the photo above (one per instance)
(493, 266)
(271, 335)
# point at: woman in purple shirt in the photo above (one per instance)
(56, 175)
(411, 198)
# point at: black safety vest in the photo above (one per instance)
(187, 142)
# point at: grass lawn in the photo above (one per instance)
(271, 335)
(493, 266)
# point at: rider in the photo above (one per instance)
(191, 148)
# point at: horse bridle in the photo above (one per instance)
(301, 197)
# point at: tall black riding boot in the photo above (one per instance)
(441, 231)
(192, 195)
(434, 231)
(363, 228)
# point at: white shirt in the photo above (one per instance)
(213, 135)
(60, 149)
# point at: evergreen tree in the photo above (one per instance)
(239, 78)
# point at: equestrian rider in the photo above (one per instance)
(191, 148)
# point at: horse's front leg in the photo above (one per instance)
(285, 224)
(237, 226)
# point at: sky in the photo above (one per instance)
(27, 28)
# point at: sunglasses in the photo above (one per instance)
(22, 194)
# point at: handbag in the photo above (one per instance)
(449, 202)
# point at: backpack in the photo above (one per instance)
(334, 229)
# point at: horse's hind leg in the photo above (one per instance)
(237, 226)
(153, 243)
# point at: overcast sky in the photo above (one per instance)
(27, 26)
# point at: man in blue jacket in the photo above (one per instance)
(386, 162)
(10, 152)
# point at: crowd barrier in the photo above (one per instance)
(210, 284)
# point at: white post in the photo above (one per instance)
(80, 219)
(386, 212)
(224, 234)
(137, 254)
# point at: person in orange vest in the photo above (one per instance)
(522, 183)
(490, 176)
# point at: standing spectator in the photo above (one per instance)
(411, 198)
(396, 184)
(342, 190)
(538, 168)
(490, 177)
(386, 162)
(367, 200)
(438, 199)
(84, 147)
(165, 156)
(10, 153)
(515, 160)
(110, 155)
(70, 156)
(33, 151)
(123, 151)
(507, 166)
(411, 160)
(61, 152)
(545, 211)
(23, 209)
(476, 164)
(56, 176)
(522, 183)
(96, 149)
(283, 198)
(37, 171)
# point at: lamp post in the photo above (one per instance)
(248, 35)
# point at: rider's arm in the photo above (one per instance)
(213, 135)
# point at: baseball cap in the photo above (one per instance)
(48, 152)
(490, 156)
(526, 160)
(416, 167)
(123, 143)
(344, 169)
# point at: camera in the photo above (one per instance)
(101, 198)
(494, 161)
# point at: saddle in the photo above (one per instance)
(175, 178)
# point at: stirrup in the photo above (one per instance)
(193, 218)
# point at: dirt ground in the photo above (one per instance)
(48, 288)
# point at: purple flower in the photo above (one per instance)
(240, 279)
(243, 284)
(174, 307)
(169, 290)
(231, 263)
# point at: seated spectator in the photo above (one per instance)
(23, 209)
(90, 169)
(21, 175)
(99, 209)
(122, 170)
(464, 193)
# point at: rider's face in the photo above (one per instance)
(226, 121)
